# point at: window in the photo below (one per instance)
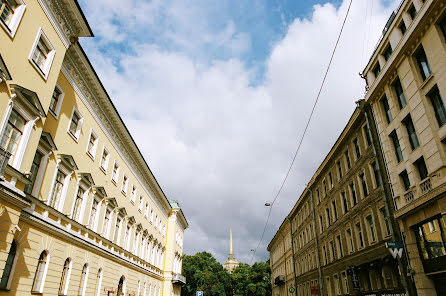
(42, 54)
(56, 101)
(438, 105)
(117, 230)
(430, 242)
(423, 63)
(376, 174)
(125, 184)
(151, 216)
(339, 246)
(330, 179)
(387, 52)
(344, 201)
(133, 195)
(368, 139)
(75, 124)
(353, 192)
(345, 281)
(104, 159)
(106, 222)
(412, 11)
(34, 169)
(13, 133)
(65, 278)
(421, 167)
(321, 223)
(115, 173)
(413, 139)
(11, 11)
(93, 214)
(325, 255)
(396, 145)
(399, 93)
(78, 204)
(405, 180)
(327, 212)
(83, 281)
(360, 237)
(337, 285)
(442, 25)
(126, 237)
(146, 212)
(385, 104)
(141, 202)
(92, 144)
(39, 277)
(357, 150)
(325, 186)
(9, 267)
(347, 159)
(386, 222)
(98, 282)
(332, 252)
(371, 225)
(402, 27)
(335, 211)
(376, 70)
(56, 194)
(338, 164)
(349, 236)
(364, 185)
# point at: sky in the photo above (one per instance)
(217, 93)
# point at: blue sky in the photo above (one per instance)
(216, 95)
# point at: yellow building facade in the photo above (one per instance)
(80, 211)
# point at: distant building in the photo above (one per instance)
(231, 263)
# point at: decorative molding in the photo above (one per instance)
(103, 112)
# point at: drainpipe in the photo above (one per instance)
(391, 218)
(292, 252)
(321, 282)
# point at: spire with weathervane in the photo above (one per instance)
(231, 263)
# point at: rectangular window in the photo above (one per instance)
(396, 145)
(332, 251)
(40, 54)
(93, 213)
(385, 104)
(104, 159)
(421, 167)
(376, 174)
(399, 93)
(386, 222)
(359, 233)
(78, 204)
(438, 105)
(339, 246)
(325, 186)
(330, 179)
(347, 158)
(371, 228)
(367, 135)
(34, 169)
(353, 191)
(349, 241)
(327, 212)
(125, 184)
(117, 228)
(423, 63)
(402, 27)
(387, 52)
(75, 124)
(321, 223)
(442, 25)
(141, 202)
(412, 11)
(344, 202)
(106, 222)
(335, 211)
(55, 100)
(57, 190)
(431, 243)
(345, 281)
(325, 255)
(338, 164)
(413, 139)
(115, 173)
(133, 195)
(13, 133)
(405, 180)
(357, 150)
(376, 70)
(364, 185)
(7, 8)
(92, 144)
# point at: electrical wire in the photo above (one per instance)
(305, 131)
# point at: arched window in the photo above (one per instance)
(63, 287)
(145, 289)
(39, 277)
(99, 282)
(121, 286)
(83, 281)
(9, 264)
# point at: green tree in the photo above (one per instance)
(252, 280)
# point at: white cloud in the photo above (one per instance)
(220, 145)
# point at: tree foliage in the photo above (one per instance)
(204, 273)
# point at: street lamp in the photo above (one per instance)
(267, 204)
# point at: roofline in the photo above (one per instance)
(84, 18)
(122, 122)
(277, 232)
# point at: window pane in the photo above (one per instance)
(399, 93)
(423, 63)
(386, 107)
(413, 139)
(438, 105)
(8, 265)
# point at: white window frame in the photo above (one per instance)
(66, 181)
(79, 126)
(11, 29)
(133, 194)
(98, 210)
(86, 279)
(125, 183)
(45, 271)
(141, 203)
(70, 268)
(49, 60)
(84, 201)
(95, 144)
(115, 178)
(39, 176)
(105, 167)
(99, 282)
(56, 113)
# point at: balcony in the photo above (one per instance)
(426, 185)
(409, 195)
(280, 280)
(4, 159)
(178, 279)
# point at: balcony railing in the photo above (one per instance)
(280, 280)
(4, 159)
(426, 185)
(409, 195)
(178, 279)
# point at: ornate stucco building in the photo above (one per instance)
(406, 86)
(231, 263)
(80, 211)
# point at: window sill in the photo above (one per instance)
(426, 81)
(56, 116)
(73, 137)
(103, 170)
(7, 29)
(36, 293)
(114, 182)
(124, 193)
(90, 155)
(40, 71)
(133, 202)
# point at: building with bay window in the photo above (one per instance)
(80, 211)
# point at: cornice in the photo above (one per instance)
(83, 79)
(67, 19)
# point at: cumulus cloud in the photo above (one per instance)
(216, 141)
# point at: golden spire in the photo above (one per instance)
(231, 251)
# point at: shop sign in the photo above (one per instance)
(314, 290)
(355, 278)
(395, 248)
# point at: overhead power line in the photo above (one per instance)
(305, 131)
